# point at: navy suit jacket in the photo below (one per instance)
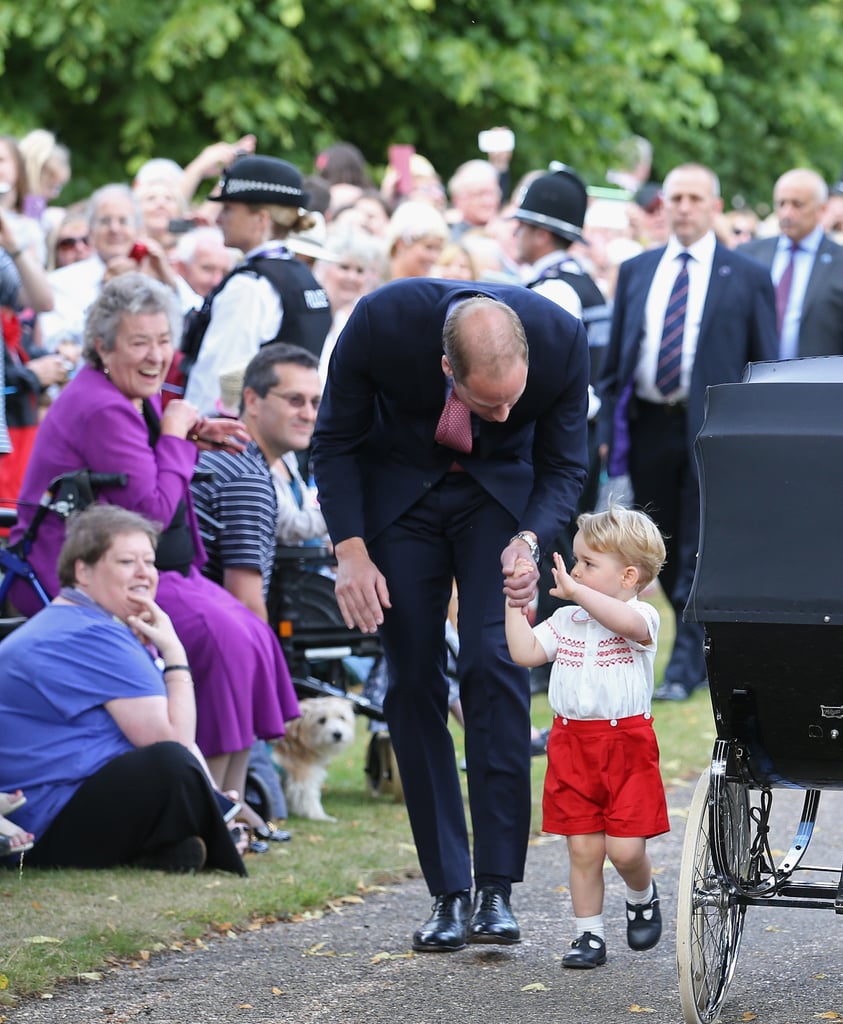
(373, 448)
(821, 322)
(738, 326)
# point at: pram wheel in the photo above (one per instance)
(710, 917)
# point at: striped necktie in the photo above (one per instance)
(669, 366)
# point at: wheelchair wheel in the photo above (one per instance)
(382, 768)
(709, 918)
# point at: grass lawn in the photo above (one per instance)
(71, 924)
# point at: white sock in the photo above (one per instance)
(644, 896)
(590, 924)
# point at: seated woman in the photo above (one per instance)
(108, 419)
(100, 724)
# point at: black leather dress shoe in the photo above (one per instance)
(644, 923)
(492, 920)
(444, 931)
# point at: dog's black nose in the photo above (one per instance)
(337, 736)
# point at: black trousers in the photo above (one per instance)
(136, 804)
(457, 530)
(665, 484)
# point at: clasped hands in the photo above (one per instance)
(209, 433)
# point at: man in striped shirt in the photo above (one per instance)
(238, 506)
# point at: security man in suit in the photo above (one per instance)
(450, 440)
(550, 219)
(687, 315)
(806, 266)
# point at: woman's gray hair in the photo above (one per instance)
(127, 295)
(91, 532)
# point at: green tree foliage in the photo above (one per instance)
(749, 87)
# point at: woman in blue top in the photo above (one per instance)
(99, 715)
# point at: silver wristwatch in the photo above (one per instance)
(531, 544)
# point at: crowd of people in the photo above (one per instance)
(434, 375)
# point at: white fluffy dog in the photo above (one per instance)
(325, 729)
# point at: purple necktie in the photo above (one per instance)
(454, 427)
(783, 287)
(669, 366)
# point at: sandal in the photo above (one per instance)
(11, 802)
(272, 833)
(13, 843)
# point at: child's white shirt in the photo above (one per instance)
(596, 673)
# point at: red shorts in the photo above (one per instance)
(603, 776)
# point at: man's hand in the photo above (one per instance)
(519, 585)
(361, 588)
(218, 433)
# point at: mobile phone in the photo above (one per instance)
(227, 806)
(496, 140)
(138, 251)
(399, 160)
(181, 225)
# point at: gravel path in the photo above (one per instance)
(355, 966)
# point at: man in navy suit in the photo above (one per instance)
(411, 506)
(729, 320)
(810, 308)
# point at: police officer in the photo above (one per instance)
(271, 296)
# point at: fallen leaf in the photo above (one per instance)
(749, 1015)
(4, 982)
(828, 1015)
(819, 977)
(144, 954)
(379, 958)
(113, 899)
(90, 976)
(40, 940)
(635, 1008)
(536, 986)
(36, 905)
(772, 928)
(245, 1006)
(277, 991)
(350, 899)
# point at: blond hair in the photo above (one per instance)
(628, 533)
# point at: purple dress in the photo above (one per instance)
(243, 687)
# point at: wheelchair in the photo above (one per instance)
(65, 495)
(301, 602)
(303, 611)
(767, 591)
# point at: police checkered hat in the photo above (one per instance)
(262, 181)
(556, 202)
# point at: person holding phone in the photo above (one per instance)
(475, 191)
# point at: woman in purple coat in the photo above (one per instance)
(109, 420)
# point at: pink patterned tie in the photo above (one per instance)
(454, 427)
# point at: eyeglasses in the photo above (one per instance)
(736, 230)
(71, 243)
(296, 400)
